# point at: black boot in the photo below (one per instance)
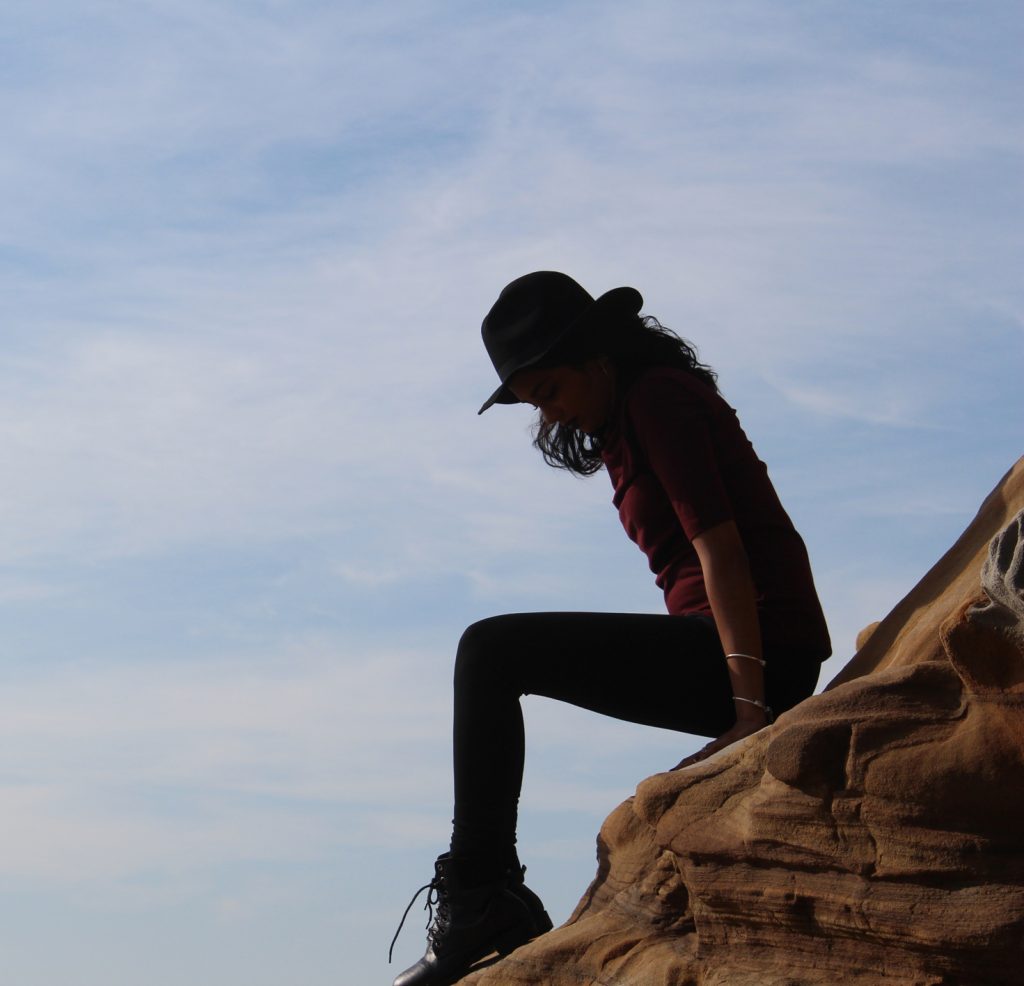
(470, 922)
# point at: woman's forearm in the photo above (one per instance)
(732, 595)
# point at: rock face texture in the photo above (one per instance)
(873, 835)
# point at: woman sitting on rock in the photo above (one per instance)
(744, 634)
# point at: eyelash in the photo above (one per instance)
(546, 396)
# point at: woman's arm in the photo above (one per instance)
(732, 596)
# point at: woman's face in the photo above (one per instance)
(575, 396)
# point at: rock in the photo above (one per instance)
(873, 835)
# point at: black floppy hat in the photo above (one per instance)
(534, 313)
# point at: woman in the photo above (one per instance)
(744, 634)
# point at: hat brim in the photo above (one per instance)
(622, 301)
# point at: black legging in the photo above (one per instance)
(666, 671)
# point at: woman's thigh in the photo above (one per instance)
(658, 670)
(666, 671)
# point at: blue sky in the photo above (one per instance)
(248, 506)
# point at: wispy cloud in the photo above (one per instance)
(111, 767)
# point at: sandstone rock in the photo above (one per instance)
(873, 835)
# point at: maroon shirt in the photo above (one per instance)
(681, 464)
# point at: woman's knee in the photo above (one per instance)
(484, 650)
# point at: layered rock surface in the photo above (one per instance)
(874, 834)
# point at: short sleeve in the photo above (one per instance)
(672, 425)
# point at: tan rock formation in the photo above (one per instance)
(873, 835)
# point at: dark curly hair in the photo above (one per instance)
(632, 346)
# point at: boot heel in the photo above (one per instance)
(524, 926)
(509, 941)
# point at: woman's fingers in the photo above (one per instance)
(701, 754)
(739, 731)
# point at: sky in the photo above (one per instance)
(247, 504)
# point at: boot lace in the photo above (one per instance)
(436, 906)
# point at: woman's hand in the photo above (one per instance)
(746, 725)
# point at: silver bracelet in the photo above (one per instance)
(753, 701)
(749, 657)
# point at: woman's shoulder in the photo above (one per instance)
(662, 389)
